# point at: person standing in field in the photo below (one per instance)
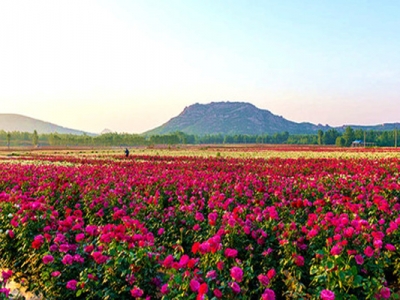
(126, 152)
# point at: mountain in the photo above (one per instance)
(14, 122)
(232, 118)
(106, 131)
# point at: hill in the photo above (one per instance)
(15, 122)
(232, 118)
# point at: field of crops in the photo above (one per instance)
(319, 225)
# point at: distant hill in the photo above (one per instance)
(14, 122)
(106, 130)
(232, 118)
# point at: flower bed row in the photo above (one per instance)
(200, 228)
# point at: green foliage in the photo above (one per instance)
(35, 138)
(348, 136)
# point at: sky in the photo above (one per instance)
(132, 65)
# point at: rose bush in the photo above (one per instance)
(190, 227)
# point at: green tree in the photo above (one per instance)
(320, 137)
(359, 134)
(8, 139)
(348, 136)
(384, 139)
(329, 138)
(340, 141)
(35, 138)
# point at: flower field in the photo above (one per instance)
(191, 227)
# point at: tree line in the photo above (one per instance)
(329, 137)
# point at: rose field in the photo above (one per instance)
(201, 227)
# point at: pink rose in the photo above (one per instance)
(271, 273)
(336, 250)
(359, 259)
(47, 259)
(217, 293)
(212, 218)
(232, 253)
(194, 285)
(184, 261)
(64, 248)
(79, 237)
(91, 230)
(136, 292)
(264, 280)
(369, 251)
(5, 291)
(196, 227)
(164, 289)
(390, 247)
(378, 244)
(71, 285)
(6, 275)
(385, 293)
(299, 260)
(168, 261)
(211, 274)
(327, 295)
(99, 258)
(67, 259)
(199, 217)
(235, 287)
(237, 274)
(55, 273)
(268, 295)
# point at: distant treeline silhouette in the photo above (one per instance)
(329, 137)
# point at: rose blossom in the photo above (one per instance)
(299, 260)
(211, 274)
(235, 287)
(71, 285)
(217, 293)
(359, 259)
(136, 292)
(203, 289)
(271, 273)
(385, 293)
(55, 273)
(47, 259)
(194, 285)
(67, 259)
(369, 251)
(237, 274)
(6, 275)
(264, 280)
(268, 295)
(5, 291)
(327, 295)
(79, 237)
(390, 247)
(232, 253)
(164, 289)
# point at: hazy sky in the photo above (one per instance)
(132, 65)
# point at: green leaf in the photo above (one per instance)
(342, 275)
(354, 270)
(313, 270)
(330, 264)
